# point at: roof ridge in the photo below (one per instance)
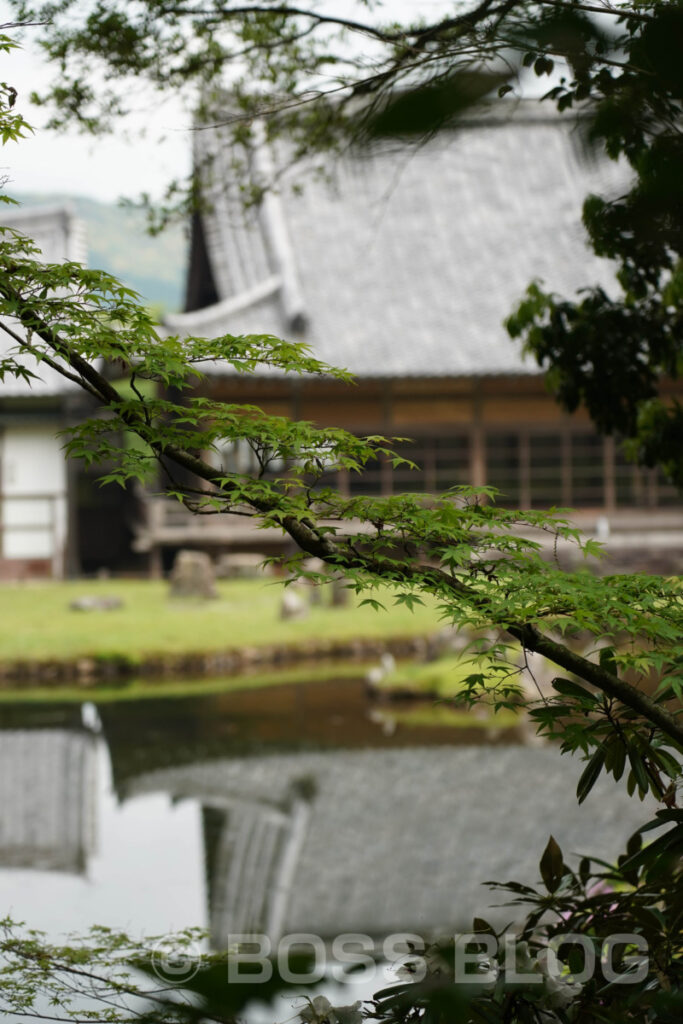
(277, 230)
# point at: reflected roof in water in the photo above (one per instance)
(312, 818)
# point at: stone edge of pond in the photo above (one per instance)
(91, 670)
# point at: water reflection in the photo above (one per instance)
(280, 810)
(48, 782)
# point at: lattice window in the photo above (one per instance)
(587, 471)
(443, 461)
(546, 478)
(634, 485)
(665, 493)
(504, 466)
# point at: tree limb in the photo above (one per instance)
(315, 541)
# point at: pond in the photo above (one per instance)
(292, 808)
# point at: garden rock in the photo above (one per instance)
(193, 576)
(340, 592)
(293, 605)
(314, 565)
(90, 603)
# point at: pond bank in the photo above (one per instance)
(102, 668)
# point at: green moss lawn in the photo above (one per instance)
(443, 678)
(440, 682)
(37, 622)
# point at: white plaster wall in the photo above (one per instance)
(33, 493)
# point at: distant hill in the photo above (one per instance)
(119, 244)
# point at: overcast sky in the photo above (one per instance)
(110, 167)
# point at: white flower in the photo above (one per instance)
(319, 1010)
(559, 991)
(555, 989)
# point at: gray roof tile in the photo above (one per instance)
(408, 260)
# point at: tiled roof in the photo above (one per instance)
(60, 235)
(405, 262)
(393, 839)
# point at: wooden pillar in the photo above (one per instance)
(477, 441)
(640, 486)
(155, 566)
(155, 510)
(386, 477)
(566, 466)
(72, 555)
(610, 489)
(387, 406)
(429, 469)
(386, 472)
(343, 483)
(296, 400)
(523, 454)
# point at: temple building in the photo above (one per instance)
(401, 266)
